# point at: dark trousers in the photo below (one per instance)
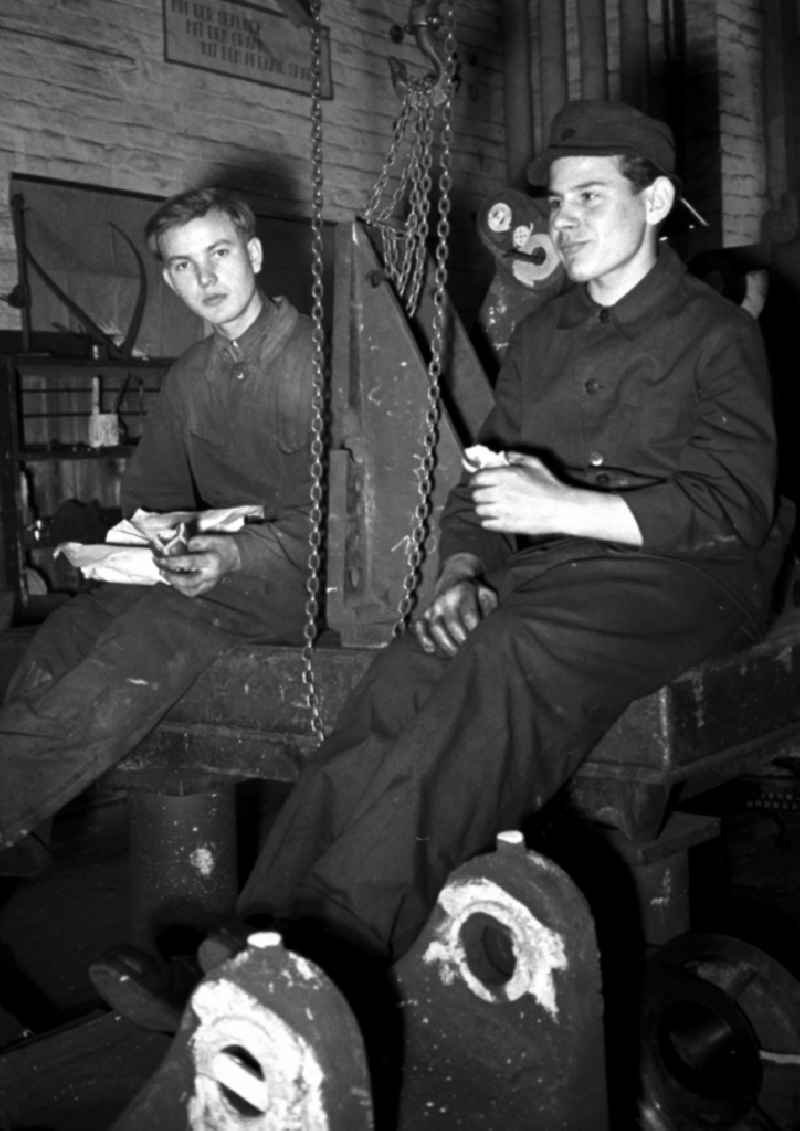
(432, 757)
(99, 674)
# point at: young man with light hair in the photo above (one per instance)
(231, 427)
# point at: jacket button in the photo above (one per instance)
(591, 385)
(596, 459)
(604, 314)
(603, 478)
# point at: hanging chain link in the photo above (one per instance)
(410, 157)
(405, 257)
(415, 543)
(312, 607)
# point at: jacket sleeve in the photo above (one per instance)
(158, 477)
(275, 551)
(720, 497)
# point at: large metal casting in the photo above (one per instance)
(502, 1003)
(267, 1043)
(378, 432)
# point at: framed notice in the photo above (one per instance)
(248, 41)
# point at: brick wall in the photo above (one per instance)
(88, 98)
(741, 121)
(705, 77)
(725, 146)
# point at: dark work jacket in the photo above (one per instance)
(232, 426)
(663, 398)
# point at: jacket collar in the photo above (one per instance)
(634, 311)
(265, 337)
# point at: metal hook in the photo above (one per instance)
(423, 23)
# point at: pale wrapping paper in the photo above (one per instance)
(126, 556)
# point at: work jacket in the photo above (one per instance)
(663, 398)
(232, 426)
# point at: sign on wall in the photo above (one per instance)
(249, 41)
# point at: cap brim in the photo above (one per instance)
(539, 167)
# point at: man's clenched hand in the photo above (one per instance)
(208, 558)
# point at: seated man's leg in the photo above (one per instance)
(433, 757)
(66, 725)
(67, 636)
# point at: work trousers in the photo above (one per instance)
(99, 674)
(432, 757)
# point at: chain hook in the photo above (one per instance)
(424, 23)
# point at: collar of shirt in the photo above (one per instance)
(262, 340)
(634, 311)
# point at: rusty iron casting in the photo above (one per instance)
(266, 1043)
(380, 383)
(502, 1002)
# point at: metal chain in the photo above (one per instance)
(404, 241)
(415, 544)
(311, 626)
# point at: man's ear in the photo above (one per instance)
(660, 197)
(165, 275)
(255, 253)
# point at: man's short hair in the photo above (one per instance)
(190, 205)
(640, 171)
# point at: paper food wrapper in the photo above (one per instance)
(479, 457)
(126, 557)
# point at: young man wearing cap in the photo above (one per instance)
(624, 538)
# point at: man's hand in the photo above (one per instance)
(521, 498)
(461, 602)
(526, 498)
(208, 558)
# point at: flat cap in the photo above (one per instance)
(588, 127)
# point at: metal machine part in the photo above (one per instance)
(720, 1038)
(502, 1002)
(267, 1043)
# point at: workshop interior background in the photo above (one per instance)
(98, 125)
(100, 121)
